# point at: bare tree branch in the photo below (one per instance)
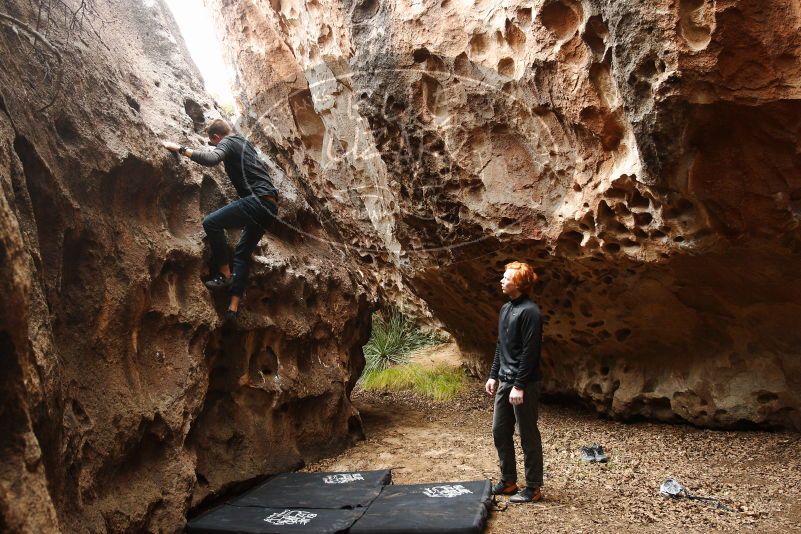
(41, 38)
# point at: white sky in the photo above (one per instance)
(197, 29)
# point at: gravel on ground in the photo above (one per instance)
(757, 473)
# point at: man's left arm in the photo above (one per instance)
(531, 339)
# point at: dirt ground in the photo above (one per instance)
(756, 473)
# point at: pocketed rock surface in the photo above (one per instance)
(758, 474)
(123, 402)
(642, 155)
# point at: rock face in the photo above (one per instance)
(124, 402)
(642, 155)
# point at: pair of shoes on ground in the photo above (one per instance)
(517, 495)
(593, 453)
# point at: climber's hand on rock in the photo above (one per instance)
(489, 387)
(169, 145)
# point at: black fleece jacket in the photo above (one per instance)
(246, 170)
(517, 353)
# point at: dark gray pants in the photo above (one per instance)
(254, 216)
(503, 429)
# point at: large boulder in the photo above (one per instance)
(642, 155)
(124, 402)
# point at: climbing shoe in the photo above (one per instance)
(587, 454)
(504, 488)
(229, 317)
(527, 495)
(219, 282)
(600, 455)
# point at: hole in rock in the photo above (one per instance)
(615, 192)
(478, 44)
(594, 35)
(365, 10)
(561, 18)
(637, 200)
(132, 102)
(643, 219)
(605, 213)
(66, 129)
(436, 64)
(514, 36)
(661, 407)
(612, 132)
(506, 67)
(767, 397)
(621, 210)
(420, 55)
(696, 32)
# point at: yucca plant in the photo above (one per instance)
(392, 340)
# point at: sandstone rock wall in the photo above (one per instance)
(643, 155)
(123, 400)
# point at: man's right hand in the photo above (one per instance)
(169, 145)
(489, 387)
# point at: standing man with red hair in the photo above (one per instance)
(517, 366)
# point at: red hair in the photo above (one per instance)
(523, 277)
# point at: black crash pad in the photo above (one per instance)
(256, 520)
(317, 490)
(444, 507)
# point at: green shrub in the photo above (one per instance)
(392, 340)
(440, 383)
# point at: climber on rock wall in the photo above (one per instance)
(517, 366)
(254, 212)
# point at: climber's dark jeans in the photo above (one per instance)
(503, 428)
(254, 215)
